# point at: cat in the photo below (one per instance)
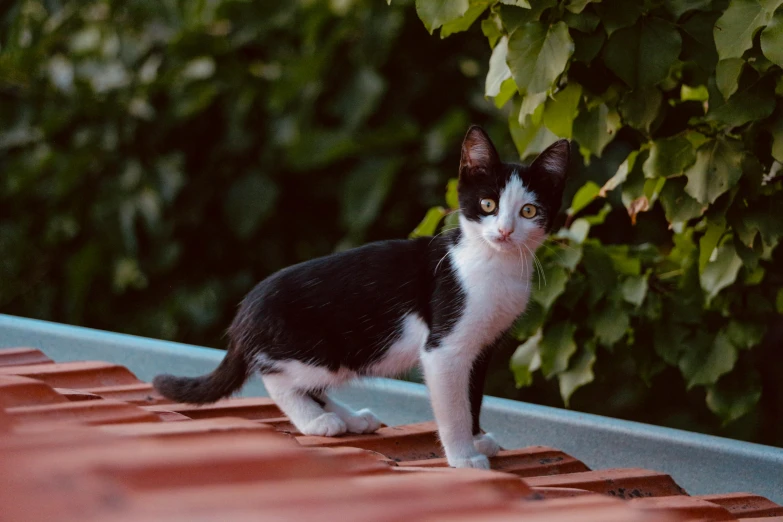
(380, 309)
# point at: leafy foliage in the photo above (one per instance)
(683, 99)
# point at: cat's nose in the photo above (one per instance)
(505, 233)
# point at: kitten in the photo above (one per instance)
(378, 310)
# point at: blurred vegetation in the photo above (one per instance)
(667, 274)
(157, 159)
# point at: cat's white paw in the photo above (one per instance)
(477, 461)
(326, 425)
(486, 444)
(363, 421)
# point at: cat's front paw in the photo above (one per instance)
(486, 444)
(363, 421)
(477, 461)
(326, 425)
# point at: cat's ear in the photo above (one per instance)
(478, 152)
(553, 162)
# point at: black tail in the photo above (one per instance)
(227, 378)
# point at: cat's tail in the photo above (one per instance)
(228, 377)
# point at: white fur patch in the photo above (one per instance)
(405, 352)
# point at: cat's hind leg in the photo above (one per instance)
(309, 417)
(362, 421)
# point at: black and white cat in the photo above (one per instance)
(378, 310)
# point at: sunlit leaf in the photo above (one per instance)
(716, 170)
(435, 13)
(556, 347)
(578, 374)
(537, 55)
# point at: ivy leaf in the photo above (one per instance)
(669, 157)
(561, 109)
(670, 341)
(756, 102)
(640, 107)
(492, 27)
(577, 6)
(642, 55)
(429, 224)
(734, 395)
(680, 7)
(526, 360)
(698, 43)
(616, 14)
(721, 272)
(745, 335)
(579, 374)
(776, 129)
(519, 3)
(248, 202)
(498, 68)
(703, 364)
(678, 206)
(634, 289)
(583, 197)
(538, 54)
(716, 170)
(452, 197)
(709, 241)
(735, 29)
(587, 45)
(772, 40)
(727, 75)
(465, 21)
(610, 325)
(435, 13)
(556, 347)
(552, 285)
(513, 17)
(595, 128)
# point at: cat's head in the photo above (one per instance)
(509, 206)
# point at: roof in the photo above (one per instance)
(90, 441)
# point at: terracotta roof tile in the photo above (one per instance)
(112, 457)
(19, 356)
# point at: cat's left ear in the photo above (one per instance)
(478, 153)
(553, 162)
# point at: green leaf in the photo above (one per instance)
(429, 224)
(734, 395)
(745, 335)
(452, 197)
(519, 3)
(435, 13)
(248, 202)
(642, 55)
(772, 40)
(579, 374)
(556, 347)
(709, 241)
(727, 75)
(721, 272)
(594, 129)
(463, 24)
(756, 102)
(514, 17)
(577, 6)
(561, 109)
(735, 29)
(621, 175)
(680, 7)
(704, 364)
(550, 286)
(498, 68)
(634, 289)
(507, 91)
(583, 197)
(670, 341)
(587, 46)
(568, 256)
(718, 167)
(492, 27)
(669, 157)
(365, 191)
(699, 93)
(610, 325)
(776, 129)
(526, 360)
(640, 107)
(678, 206)
(538, 54)
(585, 22)
(616, 14)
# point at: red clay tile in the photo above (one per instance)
(22, 356)
(763, 519)
(254, 408)
(192, 428)
(621, 483)
(411, 442)
(746, 505)
(533, 461)
(541, 493)
(23, 391)
(140, 393)
(85, 412)
(76, 375)
(77, 395)
(690, 508)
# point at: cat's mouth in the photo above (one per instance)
(502, 244)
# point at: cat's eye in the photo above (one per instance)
(488, 205)
(529, 211)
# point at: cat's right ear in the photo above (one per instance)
(478, 153)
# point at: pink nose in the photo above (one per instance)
(504, 234)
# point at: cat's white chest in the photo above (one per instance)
(497, 289)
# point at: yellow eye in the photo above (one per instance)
(529, 211)
(488, 205)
